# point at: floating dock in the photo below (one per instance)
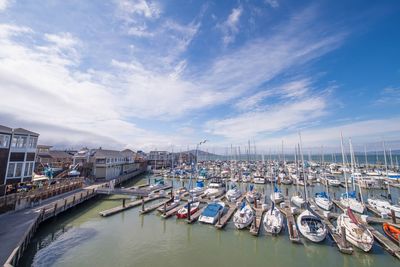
(195, 216)
(172, 212)
(291, 223)
(155, 206)
(228, 215)
(130, 205)
(386, 243)
(255, 226)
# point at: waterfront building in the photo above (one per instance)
(54, 158)
(17, 156)
(107, 164)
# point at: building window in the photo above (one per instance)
(10, 172)
(14, 141)
(33, 143)
(26, 169)
(4, 141)
(18, 169)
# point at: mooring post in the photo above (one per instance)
(142, 204)
(123, 203)
(255, 203)
(393, 215)
(188, 215)
(165, 208)
(291, 228)
(343, 234)
(65, 203)
(287, 191)
(55, 209)
(219, 217)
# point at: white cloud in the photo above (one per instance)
(4, 4)
(128, 9)
(230, 26)
(276, 118)
(389, 96)
(272, 3)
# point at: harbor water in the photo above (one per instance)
(81, 237)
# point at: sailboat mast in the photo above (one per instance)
(386, 167)
(302, 162)
(344, 165)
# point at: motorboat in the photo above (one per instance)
(392, 231)
(273, 220)
(183, 212)
(356, 233)
(323, 201)
(311, 227)
(214, 189)
(212, 212)
(244, 216)
(332, 181)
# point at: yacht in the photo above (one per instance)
(212, 212)
(384, 206)
(349, 201)
(311, 227)
(273, 221)
(323, 201)
(243, 217)
(233, 194)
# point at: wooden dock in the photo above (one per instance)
(386, 243)
(195, 216)
(228, 215)
(255, 226)
(343, 245)
(291, 223)
(155, 206)
(130, 205)
(172, 212)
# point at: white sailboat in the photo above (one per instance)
(233, 194)
(273, 220)
(243, 217)
(357, 234)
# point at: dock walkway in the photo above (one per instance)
(155, 206)
(290, 222)
(255, 226)
(129, 205)
(228, 215)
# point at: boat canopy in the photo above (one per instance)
(351, 194)
(322, 195)
(199, 184)
(212, 210)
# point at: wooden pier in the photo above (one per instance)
(195, 216)
(291, 223)
(341, 242)
(386, 243)
(172, 212)
(255, 226)
(130, 205)
(140, 192)
(228, 215)
(155, 206)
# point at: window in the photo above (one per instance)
(33, 142)
(10, 172)
(14, 141)
(31, 167)
(26, 169)
(18, 169)
(4, 141)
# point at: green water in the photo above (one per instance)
(81, 237)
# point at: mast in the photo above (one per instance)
(352, 165)
(366, 158)
(304, 175)
(386, 167)
(344, 164)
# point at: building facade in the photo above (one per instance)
(107, 164)
(17, 155)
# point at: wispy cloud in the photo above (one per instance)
(4, 4)
(230, 27)
(272, 3)
(389, 96)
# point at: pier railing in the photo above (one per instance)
(45, 213)
(23, 200)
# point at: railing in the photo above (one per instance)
(47, 212)
(12, 201)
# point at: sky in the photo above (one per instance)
(148, 75)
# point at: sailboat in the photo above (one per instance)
(310, 226)
(356, 233)
(183, 212)
(298, 199)
(273, 220)
(252, 195)
(277, 196)
(198, 190)
(323, 201)
(244, 216)
(347, 199)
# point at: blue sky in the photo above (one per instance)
(156, 74)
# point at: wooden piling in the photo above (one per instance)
(393, 215)
(188, 215)
(123, 203)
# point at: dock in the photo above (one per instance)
(155, 206)
(172, 212)
(139, 192)
(291, 223)
(195, 216)
(343, 245)
(130, 205)
(255, 226)
(386, 243)
(227, 216)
